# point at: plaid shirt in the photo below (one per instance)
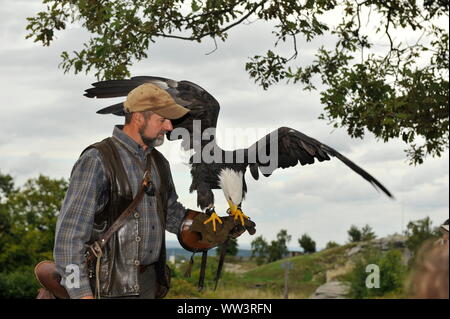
(88, 193)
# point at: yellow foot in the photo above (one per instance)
(213, 219)
(239, 214)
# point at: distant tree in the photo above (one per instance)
(6, 186)
(27, 231)
(6, 189)
(275, 251)
(364, 234)
(307, 244)
(278, 248)
(354, 234)
(331, 244)
(367, 233)
(418, 232)
(260, 250)
(32, 211)
(232, 248)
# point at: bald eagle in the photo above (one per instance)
(226, 169)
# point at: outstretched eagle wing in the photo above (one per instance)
(293, 147)
(204, 108)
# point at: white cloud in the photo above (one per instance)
(46, 122)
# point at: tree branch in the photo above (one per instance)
(212, 32)
(215, 48)
(294, 56)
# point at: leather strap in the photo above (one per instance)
(221, 260)
(163, 190)
(201, 280)
(121, 219)
(188, 271)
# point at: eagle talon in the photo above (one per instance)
(236, 212)
(213, 219)
(239, 214)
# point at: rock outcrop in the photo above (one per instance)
(332, 290)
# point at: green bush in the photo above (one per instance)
(18, 284)
(181, 288)
(392, 273)
(331, 244)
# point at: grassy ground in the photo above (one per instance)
(262, 282)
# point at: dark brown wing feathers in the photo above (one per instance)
(295, 147)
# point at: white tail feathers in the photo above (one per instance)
(231, 183)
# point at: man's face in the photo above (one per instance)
(153, 129)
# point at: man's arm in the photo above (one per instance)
(87, 194)
(175, 210)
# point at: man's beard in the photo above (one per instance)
(151, 142)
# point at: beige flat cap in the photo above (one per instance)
(149, 97)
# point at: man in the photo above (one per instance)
(430, 275)
(444, 230)
(99, 192)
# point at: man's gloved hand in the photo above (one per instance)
(229, 228)
(238, 229)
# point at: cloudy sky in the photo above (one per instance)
(46, 122)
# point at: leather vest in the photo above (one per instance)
(119, 268)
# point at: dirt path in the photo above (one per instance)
(234, 268)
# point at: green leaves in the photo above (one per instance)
(6, 186)
(267, 70)
(392, 273)
(195, 6)
(260, 250)
(232, 248)
(263, 252)
(418, 232)
(307, 244)
(28, 220)
(386, 100)
(371, 80)
(354, 234)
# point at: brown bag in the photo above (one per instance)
(45, 294)
(49, 279)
